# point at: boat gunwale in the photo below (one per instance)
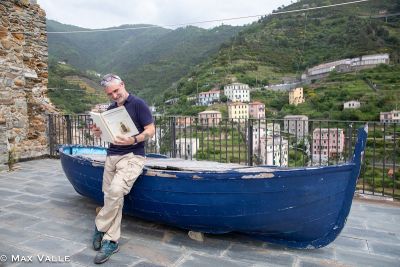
(277, 171)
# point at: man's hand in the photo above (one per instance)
(124, 141)
(96, 130)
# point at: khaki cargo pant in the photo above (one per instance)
(120, 172)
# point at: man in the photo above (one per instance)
(124, 163)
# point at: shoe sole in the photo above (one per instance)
(106, 259)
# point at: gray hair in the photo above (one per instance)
(109, 79)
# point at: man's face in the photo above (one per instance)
(117, 92)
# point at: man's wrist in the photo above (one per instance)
(134, 140)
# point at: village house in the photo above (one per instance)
(238, 111)
(296, 125)
(237, 92)
(183, 122)
(296, 96)
(273, 150)
(261, 131)
(256, 110)
(210, 117)
(390, 117)
(353, 104)
(209, 97)
(187, 147)
(327, 144)
(100, 107)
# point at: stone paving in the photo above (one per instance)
(43, 220)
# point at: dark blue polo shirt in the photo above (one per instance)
(141, 116)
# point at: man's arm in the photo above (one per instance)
(149, 131)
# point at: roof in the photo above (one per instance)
(256, 103)
(209, 112)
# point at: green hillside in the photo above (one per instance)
(325, 98)
(68, 96)
(149, 59)
(286, 45)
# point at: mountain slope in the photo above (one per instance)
(149, 59)
(285, 45)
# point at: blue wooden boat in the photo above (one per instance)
(296, 207)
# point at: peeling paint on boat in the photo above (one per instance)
(258, 176)
(160, 174)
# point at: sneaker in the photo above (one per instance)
(107, 249)
(97, 238)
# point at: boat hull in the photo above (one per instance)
(302, 208)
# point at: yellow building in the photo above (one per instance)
(296, 96)
(238, 111)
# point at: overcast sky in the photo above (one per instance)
(95, 14)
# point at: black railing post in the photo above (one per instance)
(69, 128)
(350, 142)
(173, 137)
(250, 142)
(51, 134)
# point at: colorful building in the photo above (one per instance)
(209, 97)
(296, 96)
(327, 144)
(210, 117)
(238, 111)
(237, 92)
(296, 125)
(256, 110)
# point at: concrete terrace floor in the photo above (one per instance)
(42, 215)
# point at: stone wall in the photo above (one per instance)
(23, 80)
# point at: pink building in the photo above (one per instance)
(210, 117)
(257, 110)
(327, 144)
(182, 122)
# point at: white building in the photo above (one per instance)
(351, 104)
(390, 117)
(327, 67)
(296, 125)
(370, 60)
(237, 92)
(346, 65)
(273, 151)
(100, 107)
(187, 147)
(209, 97)
(153, 109)
(260, 134)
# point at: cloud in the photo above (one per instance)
(97, 14)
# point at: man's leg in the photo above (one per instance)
(109, 172)
(128, 168)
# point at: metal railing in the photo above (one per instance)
(287, 143)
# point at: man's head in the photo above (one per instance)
(114, 87)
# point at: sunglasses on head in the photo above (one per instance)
(108, 78)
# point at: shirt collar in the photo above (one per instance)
(129, 98)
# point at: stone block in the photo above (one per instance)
(6, 101)
(18, 36)
(7, 44)
(19, 82)
(3, 32)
